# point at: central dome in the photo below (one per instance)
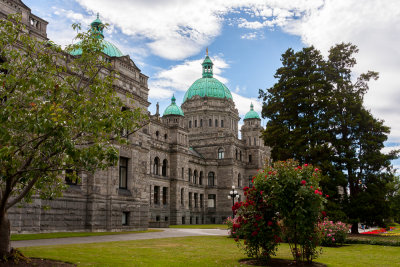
(207, 85)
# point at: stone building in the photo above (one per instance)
(178, 169)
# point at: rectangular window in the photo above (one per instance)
(71, 177)
(201, 200)
(195, 123)
(250, 181)
(222, 123)
(125, 218)
(209, 123)
(164, 195)
(183, 173)
(211, 201)
(183, 220)
(190, 199)
(156, 194)
(196, 200)
(182, 196)
(250, 158)
(201, 122)
(123, 173)
(216, 123)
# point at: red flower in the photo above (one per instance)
(305, 165)
(316, 191)
(316, 169)
(327, 196)
(303, 182)
(270, 223)
(323, 214)
(245, 188)
(254, 233)
(311, 186)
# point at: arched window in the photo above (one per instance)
(222, 123)
(239, 180)
(201, 178)
(216, 123)
(255, 141)
(164, 167)
(236, 154)
(195, 177)
(157, 134)
(190, 174)
(209, 123)
(190, 124)
(156, 166)
(211, 179)
(201, 122)
(220, 153)
(240, 155)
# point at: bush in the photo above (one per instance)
(285, 200)
(333, 233)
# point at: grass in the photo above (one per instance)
(199, 251)
(200, 226)
(18, 237)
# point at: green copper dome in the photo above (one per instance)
(108, 48)
(173, 109)
(251, 114)
(207, 85)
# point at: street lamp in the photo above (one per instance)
(232, 195)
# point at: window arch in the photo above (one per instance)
(239, 180)
(164, 167)
(221, 153)
(211, 179)
(201, 178)
(156, 165)
(195, 177)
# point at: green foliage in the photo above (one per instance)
(57, 113)
(316, 115)
(333, 233)
(285, 200)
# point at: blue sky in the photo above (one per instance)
(167, 40)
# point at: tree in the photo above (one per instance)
(318, 109)
(57, 113)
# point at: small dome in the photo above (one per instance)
(108, 48)
(207, 85)
(173, 109)
(251, 114)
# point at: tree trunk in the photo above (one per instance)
(5, 245)
(354, 228)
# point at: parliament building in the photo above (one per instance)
(178, 169)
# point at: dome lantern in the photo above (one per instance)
(207, 67)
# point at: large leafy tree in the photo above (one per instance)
(57, 113)
(316, 115)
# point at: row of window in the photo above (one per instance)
(195, 197)
(156, 166)
(197, 177)
(210, 124)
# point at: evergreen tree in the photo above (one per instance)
(316, 115)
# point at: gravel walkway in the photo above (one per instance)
(166, 232)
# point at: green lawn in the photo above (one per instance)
(200, 226)
(199, 251)
(17, 237)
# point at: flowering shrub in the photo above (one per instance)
(256, 222)
(285, 200)
(333, 233)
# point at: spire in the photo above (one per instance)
(207, 51)
(173, 99)
(207, 66)
(251, 106)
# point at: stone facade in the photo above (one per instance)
(175, 170)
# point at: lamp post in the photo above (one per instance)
(232, 195)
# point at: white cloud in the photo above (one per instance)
(374, 26)
(251, 36)
(179, 29)
(243, 104)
